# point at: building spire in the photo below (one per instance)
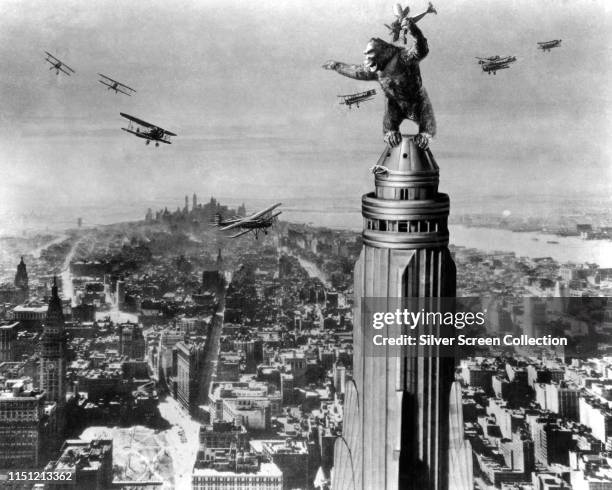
(219, 258)
(55, 314)
(21, 277)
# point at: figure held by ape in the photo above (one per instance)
(397, 71)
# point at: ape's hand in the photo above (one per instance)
(422, 140)
(407, 24)
(330, 65)
(393, 138)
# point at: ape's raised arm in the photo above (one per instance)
(420, 48)
(358, 72)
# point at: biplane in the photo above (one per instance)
(146, 130)
(400, 25)
(496, 59)
(115, 85)
(260, 221)
(58, 64)
(493, 66)
(357, 98)
(548, 45)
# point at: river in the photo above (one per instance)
(528, 244)
(532, 244)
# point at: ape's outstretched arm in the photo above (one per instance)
(358, 72)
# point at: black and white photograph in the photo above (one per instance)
(306, 245)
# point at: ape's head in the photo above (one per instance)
(378, 53)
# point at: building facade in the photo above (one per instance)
(25, 424)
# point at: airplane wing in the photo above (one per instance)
(126, 93)
(66, 66)
(235, 224)
(140, 135)
(125, 86)
(240, 234)
(230, 221)
(139, 121)
(146, 136)
(118, 83)
(253, 217)
(51, 56)
(260, 213)
(60, 68)
(167, 132)
(108, 78)
(114, 88)
(359, 94)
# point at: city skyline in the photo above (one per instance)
(242, 87)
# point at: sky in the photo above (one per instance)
(256, 117)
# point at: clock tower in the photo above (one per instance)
(53, 354)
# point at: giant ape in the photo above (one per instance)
(397, 71)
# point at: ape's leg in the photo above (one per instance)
(391, 123)
(426, 119)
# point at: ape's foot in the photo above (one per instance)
(393, 138)
(422, 140)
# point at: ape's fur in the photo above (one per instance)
(397, 70)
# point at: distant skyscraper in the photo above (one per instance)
(120, 294)
(219, 260)
(8, 336)
(195, 201)
(400, 420)
(21, 281)
(190, 360)
(53, 353)
(21, 277)
(131, 341)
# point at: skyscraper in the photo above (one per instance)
(21, 277)
(21, 283)
(53, 354)
(397, 428)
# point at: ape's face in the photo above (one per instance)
(377, 54)
(370, 58)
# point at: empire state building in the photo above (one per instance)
(402, 426)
